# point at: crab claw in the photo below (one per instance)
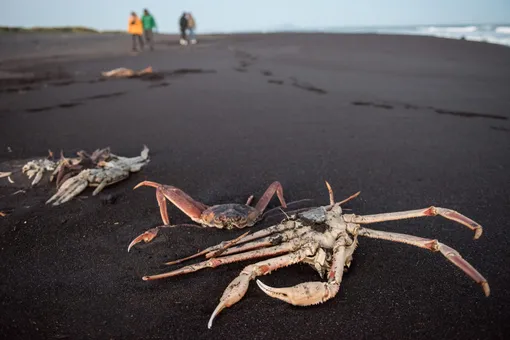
(303, 294)
(146, 237)
(234, 292)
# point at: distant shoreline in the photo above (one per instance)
(488, 33)
(61, 29)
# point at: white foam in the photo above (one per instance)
(479, 38)
(503, 29)
(483, 33)
(464, 29)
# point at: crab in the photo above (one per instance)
(106, 173)
(323, 237)
(38, 167)
(228, 216)
(64, 167)
(123, 72)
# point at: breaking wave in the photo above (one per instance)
(503, 29)
(495, 34)
(489, 33)
(453, 29)
(483, 33)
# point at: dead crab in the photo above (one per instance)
(114, 170)
(64, 167)
(221, 216)
(37, 167)
(123, 72)
(323, 237)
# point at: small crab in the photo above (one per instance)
(114, 170)
(37, 167)
(228, 216)
(324, 238)
(123, 72)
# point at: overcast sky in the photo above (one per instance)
(238, 15)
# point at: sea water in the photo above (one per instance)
(490, 33)
(495, 34)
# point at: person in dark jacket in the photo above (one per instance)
(183, 24)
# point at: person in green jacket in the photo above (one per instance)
(148, 25)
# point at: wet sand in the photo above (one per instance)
(409, 121)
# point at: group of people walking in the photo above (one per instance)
(187, 25)
(142, 27)
(141, 30)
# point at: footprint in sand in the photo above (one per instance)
(307, 86)
(377, 105)
(275, 81)
(163, 84)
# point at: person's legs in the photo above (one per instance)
(192, 38)
(183, 40)
(133, 38)
(140, 40)
(149, 38)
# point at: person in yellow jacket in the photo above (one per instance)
(135, 28)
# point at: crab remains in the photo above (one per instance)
(73, 175)
(324, 238)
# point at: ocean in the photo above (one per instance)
(490, 33)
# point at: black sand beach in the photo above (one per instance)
(409, 121)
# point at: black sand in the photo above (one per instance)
(409, 121)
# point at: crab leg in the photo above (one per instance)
(237, 288)
(430, 211)
(349, 198)
(61, 178)
(312, 293)
(149, 235)
(275, 187)
(433, 245)
(101, 186)
(332, 196)
(69, 189)
(107, 182)
(38, 176)
(249, 200)
(61, 163)
(270, 230)
(67, 168)
(62, 175)
(261, 243)
(178, 197)
(268, 212)
(224, 245)
(215, 262)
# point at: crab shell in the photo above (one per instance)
(230, 216)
